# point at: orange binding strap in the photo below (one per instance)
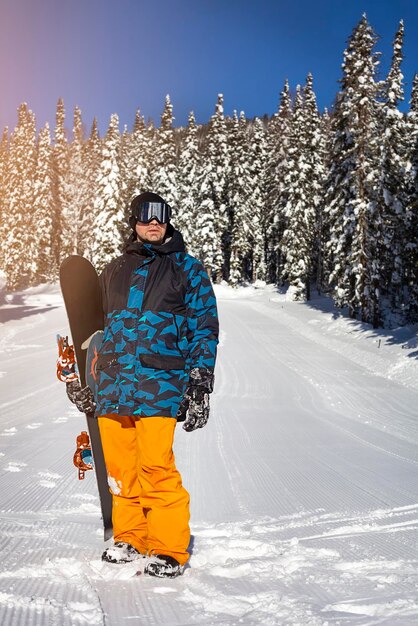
(66, 371)
(83, 458)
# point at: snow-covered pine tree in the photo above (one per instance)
(134, 165)
(75, 193)
(219, 162)
(323, 268)
(110, 215)
(4, 149)
(212, 220)
(315, 155)
(277, 167)
(302, 195)
(150, 139)
(239, 198)
(392, 195)
(164, 166)
(20, 230)
(42, 215)
(207, 244)
(91, 158)
(59, 172)
(411, 235)
(4, 157)
(393, 86)
(124, 163)
(257, 155)
(189, 188)
(139, 123)
(356, 223)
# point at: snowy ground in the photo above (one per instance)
(304, 484)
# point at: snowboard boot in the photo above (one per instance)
(163, 566)
(121, 552)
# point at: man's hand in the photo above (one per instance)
(195, 404)
(82, 398)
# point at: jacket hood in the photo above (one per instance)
(174, 242)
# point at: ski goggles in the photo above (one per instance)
(147, 211)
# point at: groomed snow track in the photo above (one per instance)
(304, 484)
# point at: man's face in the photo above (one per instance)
(151, 232)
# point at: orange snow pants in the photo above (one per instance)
(150, 505)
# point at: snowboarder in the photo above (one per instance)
(154, 368)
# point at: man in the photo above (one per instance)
(155, 367)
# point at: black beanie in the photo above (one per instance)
(147, 196)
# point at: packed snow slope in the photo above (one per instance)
(304, 484)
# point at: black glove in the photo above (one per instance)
(82, 398)
(194, 407)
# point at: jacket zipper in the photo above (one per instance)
(177, 334)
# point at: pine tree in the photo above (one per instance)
(4, 158)
(316, 142)
(134, 162)
(124, 165)
(139, 122)
(91, 158)
(4, 153)
(140, 150)
(257, 156)
(323, 267)
(110, 221)
(75, 192)
(277, 167)
(411, 235)
(207, 245)
(239, 197)
(164, 168)
(215, 192)
(189, 176)
(42, 203)
(20, 239)
(393, 184)
(302, 190)
(59, 172)
(356, 235)
(304, 183)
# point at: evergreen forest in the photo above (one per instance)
(307, 200)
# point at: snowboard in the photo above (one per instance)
(83, 302)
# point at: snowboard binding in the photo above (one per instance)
(66, 367)
(83, 458)
(66, 372)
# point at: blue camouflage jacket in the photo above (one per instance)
(160, 322)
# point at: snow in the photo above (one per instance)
(114, 485)
(304, 491)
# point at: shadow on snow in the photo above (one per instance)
(404, 336)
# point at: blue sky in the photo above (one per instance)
(114, 56)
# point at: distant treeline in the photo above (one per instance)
(301, 199)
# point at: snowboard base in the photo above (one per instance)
(83, 302)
